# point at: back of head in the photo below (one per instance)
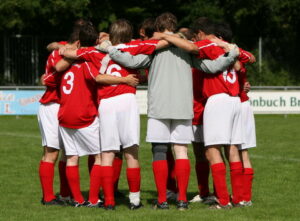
(166, 21)
(224, 31)
(88, 35)
(74, 36)
(120, 31)
(148, 26)
(203, 24)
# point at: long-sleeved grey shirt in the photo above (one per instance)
(170, 89)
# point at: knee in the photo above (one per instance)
(159, 151)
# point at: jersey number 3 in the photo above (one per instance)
(67, 89)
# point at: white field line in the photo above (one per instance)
(19, 135)
(274, 158)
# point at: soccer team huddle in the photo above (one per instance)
(197, 94)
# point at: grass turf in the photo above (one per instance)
(276, 188)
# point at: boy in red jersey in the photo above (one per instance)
(222, 120)
(51, 140)
(248, 123)
(118, 112)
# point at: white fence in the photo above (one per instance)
(264, 99)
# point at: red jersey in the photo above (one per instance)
(244, 58)
(199, 101)
(78, 103)
(223, 82)
(52, 79)
(105, 65)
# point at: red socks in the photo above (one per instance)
(134, 179)
(108, 185)
(218, 171)
(95, 183)
(160, 171)
(117, 166)
(247, 183)
(236, 175)
(183, 170)
(202, 172)
(64, 186)
(72, 173)
(46, 173)
(171, 183)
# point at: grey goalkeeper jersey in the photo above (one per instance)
(170, 89)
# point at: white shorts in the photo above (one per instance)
(119, 122)
(222, 122)
(83, 141)
(198, 134)
(48, 123)
(169, 131)
(248, 125)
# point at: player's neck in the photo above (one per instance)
(209, 37)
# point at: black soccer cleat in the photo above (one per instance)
(163, 205)
(109, 207)
(182, 205)
(54, 202)
(134, 207)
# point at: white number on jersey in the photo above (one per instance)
(227, 77)
(113, 70)
(70, 78)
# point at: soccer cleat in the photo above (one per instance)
(99, 204)
(219, 206)
(67, 200)
(76, 204)
(163, 205)
(171, 195)
(182, 205)
(247, 203)
(209, 200)
(109, 207)
(196, 199)
(134, 207)
(238, 205)
(54, 202)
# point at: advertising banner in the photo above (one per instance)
(26, 102)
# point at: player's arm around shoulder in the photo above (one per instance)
(177, 41)
(106, 79)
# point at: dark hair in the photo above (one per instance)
(74, 36)
(148, 25)
(120, 31)
(203, 24)
(88, 35)
(166, 21)
(224, 31)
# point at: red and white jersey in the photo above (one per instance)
(78, 89)
(51, 79)
(105, 65)
(242, 76)
(223, 82)
(199, 101)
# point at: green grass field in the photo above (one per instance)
(276, 190)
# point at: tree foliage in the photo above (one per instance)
(276, 21)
